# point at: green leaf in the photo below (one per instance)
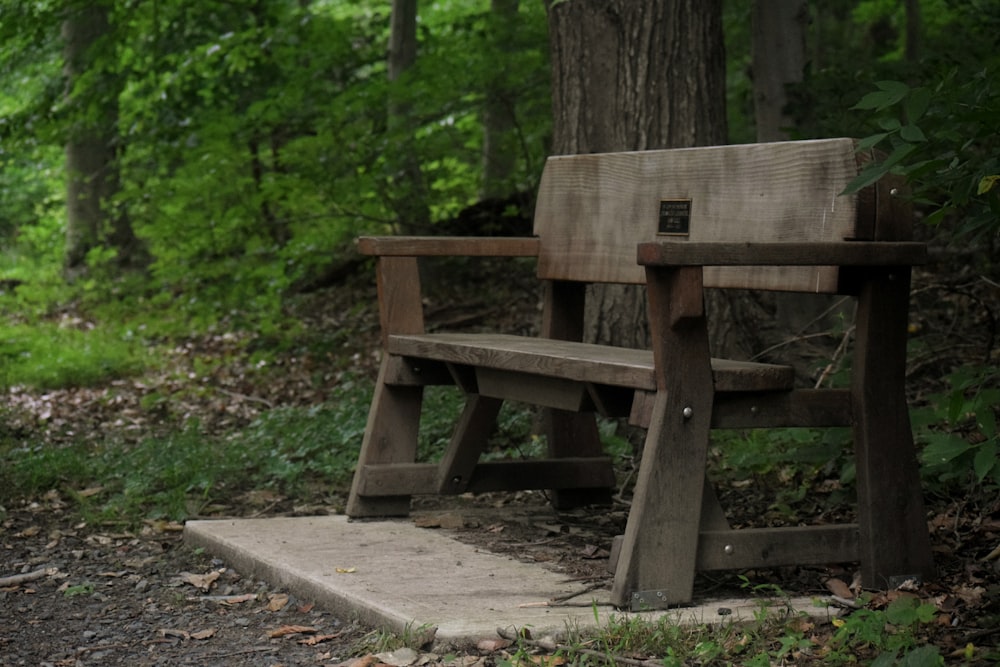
(902, 611)
(916, 104)
(869, 142)
(889, 124)
(944, 447)
(898, 155)
(866, 177)
(987, 183)
(912, 133)
(889, 93)
(985, 460)
(923, 656)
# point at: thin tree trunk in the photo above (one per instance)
(499, 141)
(779, 57)
(913, 31)
(91, 153)
(408, 192)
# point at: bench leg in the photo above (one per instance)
(574, 434)
(390, 437)
(660, 548)
(479, 418)
(895, 542)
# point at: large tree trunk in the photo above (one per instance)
(630, 76)
(499, 139)
(408, 193)
(91, 152)
(779, 58)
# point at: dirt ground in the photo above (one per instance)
(74, 594)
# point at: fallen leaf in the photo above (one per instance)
(317, 639)
(291, 630)
(203, 634)
(366, 661)
(202, 581)
(30, 531)
(277, 601)
(306, 608)
(346, 570)
(237, 599)
(492, 645)
(839, 588)
(170, 633)
(92, 491)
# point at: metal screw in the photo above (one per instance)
(728, 549)
(894, 192)
(456, 480)
(687, 412)
(754, 409)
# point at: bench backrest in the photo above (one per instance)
(593, 210)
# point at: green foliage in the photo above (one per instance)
(937, 121)
(306, 453)
(788, 462)
(891, 634)
(943, 139)
(70, 354)
(958, 430)
(254, 138)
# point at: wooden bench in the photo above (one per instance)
(763, 216)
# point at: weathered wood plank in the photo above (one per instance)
(467, 443)
(895, 541)
(855, 253)
(786, 191)
(771, 547)
(811, 408)
(444, 246)
(659, 549)
(580, 362)
(543, 390)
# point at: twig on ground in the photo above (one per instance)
(18, 579)
(569, 596)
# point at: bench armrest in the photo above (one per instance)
(849, 253)
(429, 246)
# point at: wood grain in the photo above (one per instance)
(593, 210)
(579, 362)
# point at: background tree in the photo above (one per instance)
(93, 142)
(499, 105)
(406, 189)
(779, 59)
(632, 76)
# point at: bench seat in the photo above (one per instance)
(579, 362)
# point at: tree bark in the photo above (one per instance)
(91, 150)
(499, 121)
(913, 31)
(630, 76)
(779, 57)
(408, 192)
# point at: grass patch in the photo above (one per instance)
(49, 356)
(306, 454)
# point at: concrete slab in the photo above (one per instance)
(394, 575)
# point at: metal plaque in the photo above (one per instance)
(675, 217)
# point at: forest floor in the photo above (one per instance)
(74, 593)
